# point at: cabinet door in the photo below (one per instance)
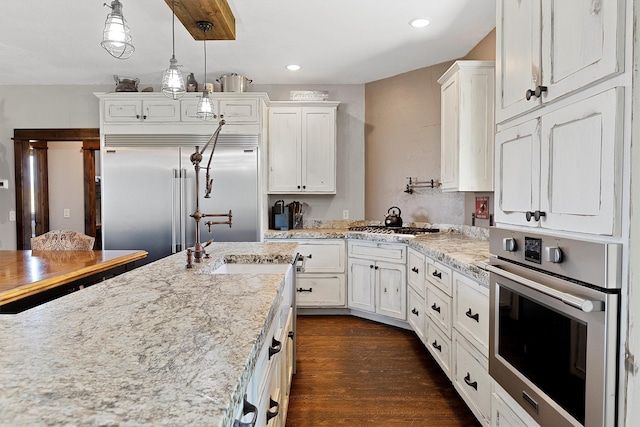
(582, 43)
(391, 290)
(122, 110)
(189, 109)
(517, 187)
(581, 165)
(239, 110)
(361, 280)
(319, 150)
(161, 110)
(415, 314)
(416, 264)
(517, 56)
(450, 133)
(284, 150)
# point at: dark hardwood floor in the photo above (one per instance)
(354, 372)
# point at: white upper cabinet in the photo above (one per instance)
(302, 148)
(563, 170)
(467, 126)
(136, 110)
(549, 48)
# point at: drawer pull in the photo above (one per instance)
(437, 346)
(371, 266)
(414, 311)
(247, 408)
(274, 413)
(304, 290)
(437, 274)
(475, 317)
(435, 308)
(467, 380)
(275, 347)
(291, 334)
(415, 270)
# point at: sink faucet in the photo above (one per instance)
(199, 249)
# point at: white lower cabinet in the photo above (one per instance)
(267, 392)
(471, 378)
(415, 313)
(439, 345)
(376, 284)
(471, 301)
(323, 284)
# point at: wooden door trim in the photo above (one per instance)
(23, 140)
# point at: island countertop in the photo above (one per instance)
(159, 345)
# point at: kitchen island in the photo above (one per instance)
(159, 345)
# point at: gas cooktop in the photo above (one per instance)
(381, 229)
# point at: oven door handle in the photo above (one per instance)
(585, 305)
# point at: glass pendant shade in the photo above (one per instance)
(172, 81)
(116, 38)
(205, 107)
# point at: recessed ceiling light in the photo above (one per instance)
(293, 67)
(420, 22)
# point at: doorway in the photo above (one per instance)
(32, 186)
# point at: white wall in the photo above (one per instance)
(38, 107)
(350, 154)
(66, 185)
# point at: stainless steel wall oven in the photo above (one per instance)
(554, 326)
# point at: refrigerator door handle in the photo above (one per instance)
(175, 191)
(183, 208)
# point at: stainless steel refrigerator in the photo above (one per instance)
(148, 192)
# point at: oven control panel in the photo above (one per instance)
(590, 261)
(533, 249)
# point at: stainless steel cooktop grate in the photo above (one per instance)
(381, 229)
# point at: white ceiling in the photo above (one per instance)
(334, 41)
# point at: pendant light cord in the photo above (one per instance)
(173, 28)
(204, 36)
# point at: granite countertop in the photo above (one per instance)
(160, 345)
(458, 246)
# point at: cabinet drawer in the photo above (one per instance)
(415, 271)
(439, 275)
(323, 256)
(439, 346)
(382, 251)
(122, 111)
(415, 313)
(439, 309)
(321, 290)
(471, 378)
(472, 311)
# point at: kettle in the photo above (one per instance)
(391, 219)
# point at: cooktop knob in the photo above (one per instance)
(553, 254)
(509, 244)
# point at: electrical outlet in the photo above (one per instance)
(345, 214)
(12, 215)
(66, 213)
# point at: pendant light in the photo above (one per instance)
(116, 38)
(205, 106)
(172, 81)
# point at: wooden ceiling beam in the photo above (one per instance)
(217, 12)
